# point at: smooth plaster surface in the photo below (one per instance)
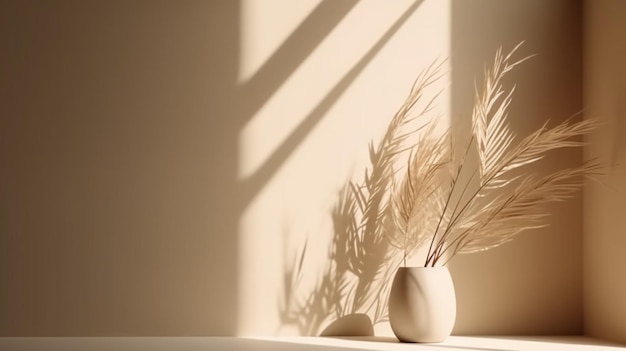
(160, 160)
(605, 202)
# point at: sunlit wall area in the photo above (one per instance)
(533, 284)
(334, 73)
(605, 203)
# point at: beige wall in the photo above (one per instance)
(312, 133)
(605, 204)
(119, 205)
(162, 162)
(532, 285)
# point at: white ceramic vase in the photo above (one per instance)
(422, 304)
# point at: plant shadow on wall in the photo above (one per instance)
(437, 199)
(354, 284)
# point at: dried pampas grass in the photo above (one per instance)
(439, 199)
(485, 205)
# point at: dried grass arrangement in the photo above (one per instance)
(438, 199)
(483, 205)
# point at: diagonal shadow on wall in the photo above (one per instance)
(289, 56)
(254, 183)
(349, 306)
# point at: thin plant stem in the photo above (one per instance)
(453, 221)
(441, 241)
(443, 213)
